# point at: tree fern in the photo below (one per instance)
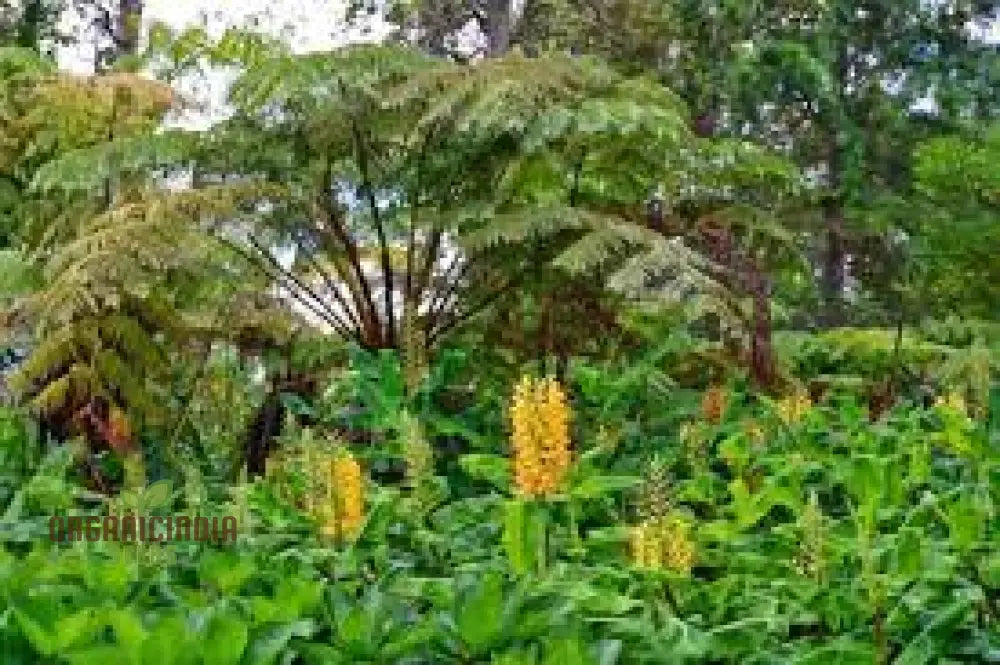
(394, 132)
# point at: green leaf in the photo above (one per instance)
(70, 629)
(480, 617)
(965, 522)
(101, 655)
(597, 486)
(494, 469)
(129, 633)
(169, 643)
(44, 642)
(567, 651)
(269, 646)
(936, 635)
(515, 536)
(225, 640)
(226, 571)
(844, 651)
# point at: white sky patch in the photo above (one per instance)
(307, 25)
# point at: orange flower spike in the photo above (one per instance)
(713, 404)
(527, 462)
(554, 416)
(539, 436)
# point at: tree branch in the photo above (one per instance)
(331, 284)
(364, 302)
(461, 319)
(369, 192)
(278, 273)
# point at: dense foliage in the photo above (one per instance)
(651, 336)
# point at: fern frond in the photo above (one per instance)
(521, 225)
(315, 80)
(74, 387)
(87, 169)
(499, 95)
(667, 267)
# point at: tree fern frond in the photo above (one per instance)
(117, 376)
(18, 62)
(314, 80)
(613, 119)
(60, 349)
(667, 267)
(131, 340)
(75, 386)
(595, 249)
(500, 95)
(18, 275)
(151, 231)
(87, 169)
(520, 225)
(55, 395)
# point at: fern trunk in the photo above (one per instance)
(762, 364)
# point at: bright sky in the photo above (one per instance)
(308, 25)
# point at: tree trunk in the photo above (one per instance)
(498, 28)
(746, 276)
(29, 29)
(833, 264)
(832, 286)
(129, 27)
(761, 350)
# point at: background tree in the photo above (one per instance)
(30, 24)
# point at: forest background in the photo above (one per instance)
(576, 331)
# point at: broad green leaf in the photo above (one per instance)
(225, 640)
(480, 616)
(494, 469)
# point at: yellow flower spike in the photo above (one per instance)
(793, 408)
(540, 436)
(637, 545)
(523, 440)
(645, 546)
(348, 491)
(678, 547)
(554, 418)
(663, 543)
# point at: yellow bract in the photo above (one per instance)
(953, 401)
(664, 543)
(345, 505)
(332, 487)
(792, 409)
(540, 436)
